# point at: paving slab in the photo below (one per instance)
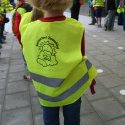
(16, 68)
(2, 83)
(16, 76)
(36, 108)
(116, 92)
(111, 80)
(3, 74)
(101, 92)
(119, 121)
(2, 94)
(86, 108)
(32, 90)
(120, 71)
(17, 100)
(91, 119)
(17, 117)
(112, 63)
(108, 108)
(18, 86)
(38, 120)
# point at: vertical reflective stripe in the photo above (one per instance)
(67, 93)
(52, 82)
(88, 64)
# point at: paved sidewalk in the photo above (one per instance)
(18, 100)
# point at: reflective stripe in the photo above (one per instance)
(67, 93)
(52, 82)
(88, 64)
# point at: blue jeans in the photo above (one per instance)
(71, 114)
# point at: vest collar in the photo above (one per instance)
(52, 19)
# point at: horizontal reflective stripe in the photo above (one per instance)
(52, 82)
(67, 93)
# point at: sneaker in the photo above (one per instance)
(99, 26)
(2, 41)
(4, 37)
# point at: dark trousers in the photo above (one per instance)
(110, 20)
(75, 10)
(124, 21)
(93, 15)
(71, 114)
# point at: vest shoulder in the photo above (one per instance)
(75, 23)
(27, 15)
(25, 19)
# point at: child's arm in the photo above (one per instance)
(83, 53)
(16, 26)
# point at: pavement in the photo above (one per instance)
(106, 50)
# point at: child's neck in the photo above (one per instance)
(52, 13)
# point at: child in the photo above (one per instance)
(98, 7)
(53, 51)
(21, 8)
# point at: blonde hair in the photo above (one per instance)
(36, 14)
(51, 5)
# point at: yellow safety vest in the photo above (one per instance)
(121, 9)
(99, 3)
(53, 54)
(6, 5)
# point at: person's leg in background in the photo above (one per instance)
(1, 32)
(51, 115)
(113, 13)
(0, 39)
(71, 113)
(111, 20)
(99, 16)
(75, 9)
(106, 22)
(92, 11)
(124, 21)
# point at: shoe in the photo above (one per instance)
(99, 26)
(4, 37)
(2, 41)
(92, 24)
(5, 32)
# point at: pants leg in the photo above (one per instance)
(72, 113)
(51, 115)
(111, 19)
(0, 34)
(106, 21)
(124, 21)
(75, 11)
(93, 15)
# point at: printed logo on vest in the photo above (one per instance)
(47, 47)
